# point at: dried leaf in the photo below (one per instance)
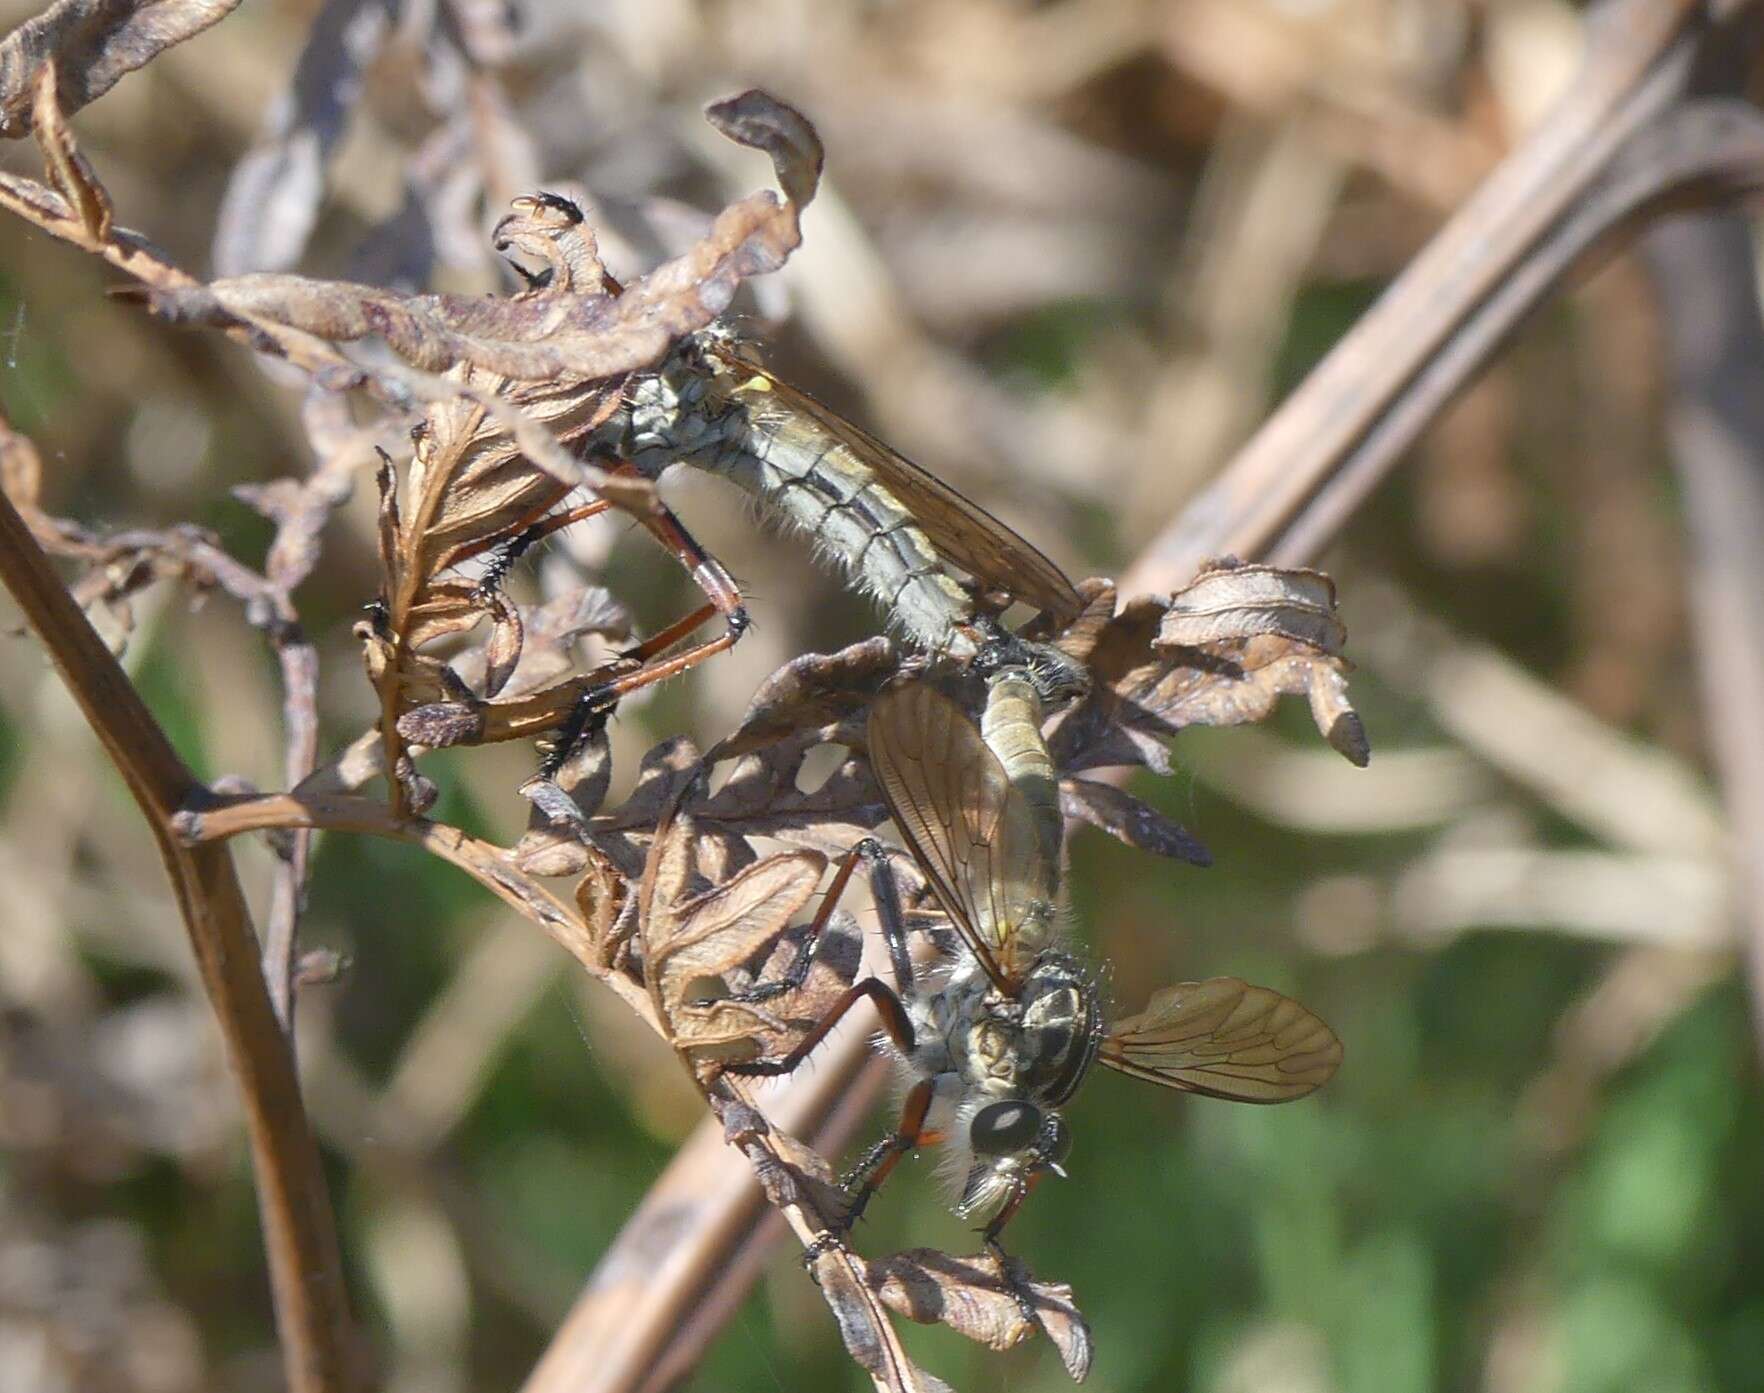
(503, 650)
(1261, 622)
(69, 173)
(837, 1273)
(361, 760)
(1127, 819)
(93, 42)
(690, 939)
(587, 333)
(1231, 600)
(813, 691)
(978, 1298)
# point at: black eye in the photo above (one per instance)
(1001, 1128)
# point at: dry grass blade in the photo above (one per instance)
(1453, 304)
(1704, 270)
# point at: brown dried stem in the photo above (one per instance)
(1708, 293)
(300, 1237)
(206, 820)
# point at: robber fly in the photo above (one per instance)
(901, 533)
(1000, 1037)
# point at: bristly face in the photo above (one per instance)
(1002, 1147)
(1015, 1060)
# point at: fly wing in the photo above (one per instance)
(958, 528)
(970, 830)
(1226, 1039)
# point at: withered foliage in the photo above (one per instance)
(690, 890)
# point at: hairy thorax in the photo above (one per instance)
(1035, 1043)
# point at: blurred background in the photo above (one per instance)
(1067, 256)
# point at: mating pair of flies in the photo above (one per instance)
(998, 1035)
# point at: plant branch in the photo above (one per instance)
(212, 820)
(300, 1237)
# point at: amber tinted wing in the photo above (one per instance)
(958, 528)
(970, 831)
(1227, 1039)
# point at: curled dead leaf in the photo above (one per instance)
(982, 1298)
(692, 938)
(93, 43)
(1231, 600)
(1129, 820)
(70, 174)
(815, 690)
(1220, 652)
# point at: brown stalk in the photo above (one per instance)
(1705, 275)
(1290, 490)
(213, 821)
(300, 1239)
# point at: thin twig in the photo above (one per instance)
(208, 819)
(300, 1238)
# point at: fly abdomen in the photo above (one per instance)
(1011, 727)
(813, 480)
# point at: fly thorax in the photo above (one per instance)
(987, 1043)
(993, 1053)
(941, 1022)
(675, 411)
(1061, 1027)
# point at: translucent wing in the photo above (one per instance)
(970, 831)
(959, 528)
(1227, 1039)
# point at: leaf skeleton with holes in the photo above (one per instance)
(1000, 1035)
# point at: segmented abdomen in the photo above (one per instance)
(806, 475)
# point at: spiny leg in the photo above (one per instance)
(504, 553)
(878, 1163)
(875, 857)
(723, 597)
(1007, 1264)
(889, 1006)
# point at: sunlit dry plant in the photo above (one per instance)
(688, 902)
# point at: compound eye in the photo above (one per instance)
(999, 1129)
(1056, 1141)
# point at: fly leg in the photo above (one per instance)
(889, 1006)
(866, 1177)
(1007, 1265)
(723, 597)
(875, 856)
(503, 554)
(890, 1003)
